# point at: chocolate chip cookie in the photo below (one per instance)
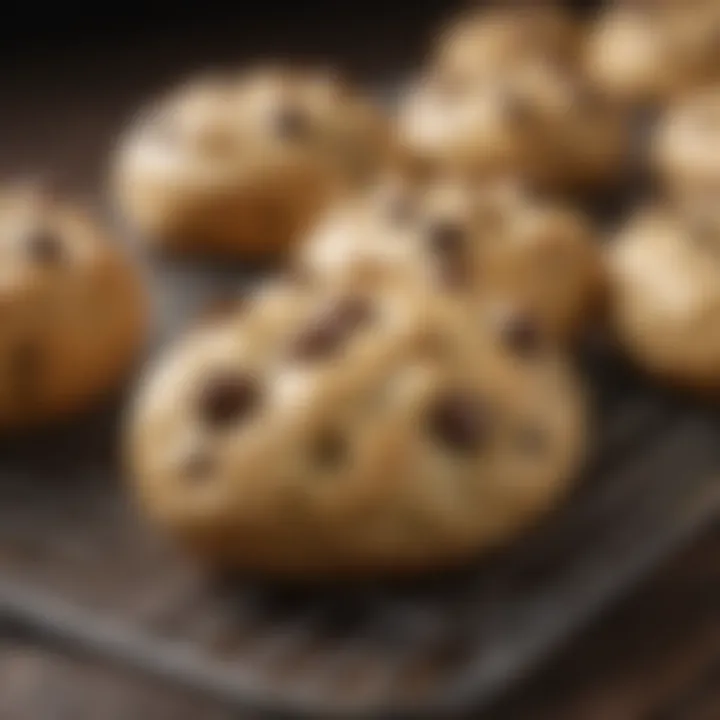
(489, 243)
(687, 145)
(349, 433)
(650, 52)
(237, 165)
(665, 295)
(535, 121)
(489, 41)
(74, 312)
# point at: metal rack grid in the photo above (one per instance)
(78, 570)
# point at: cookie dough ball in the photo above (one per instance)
(536, 122)
(367, 239)
(647, 53)
(351, 434)
(545, 260)
(495, 242)
(238, 165)
(687, 147)
(73, 309)
(489, 41)
(665, 295)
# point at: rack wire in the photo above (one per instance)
(78, 570)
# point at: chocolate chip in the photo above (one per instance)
(44, 247)
(330, 449)
(516, 109)
(197, 467)
(453, 273)
(447, 238)
(421, 169)
(221, 307)
(291, 123)
(531, 440)
(458, 420)
(327, 332)
(448, 245)
(521, 334)
(228, 399)
(353, 311)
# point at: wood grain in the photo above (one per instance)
(657, 657)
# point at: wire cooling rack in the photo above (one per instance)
(77, 569)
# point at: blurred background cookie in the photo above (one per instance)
(238, 164)
(650, 52)
(74, 312)
(491, 242)
(533, 120)
(665, 295)
(490, 40)
(686, 148)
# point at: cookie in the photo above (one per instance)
(237, 165)
(342, 434)
(494, 242)
(686, 148)
(650, 52)
(664, 295)
(492, 41)
(74, 312)
(534, 121)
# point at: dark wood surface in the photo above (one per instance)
(656, 657)
(63, 99)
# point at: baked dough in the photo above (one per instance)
(333, 434)
(665, 295)
(686, 150)
(649, 53)
(74, 312)
(237, 165)
(489, 41)
(494, 243)
(534, 121)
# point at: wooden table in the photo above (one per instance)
(657, 656)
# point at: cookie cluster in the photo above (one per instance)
(405, 397)
(402, 395)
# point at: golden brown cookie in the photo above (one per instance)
(489, 41)
(74, 312)
(650, 52)
(686, 149)
(665, 295)
(238, 165)
(352, 433)
(535, 121)
(493, 243)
